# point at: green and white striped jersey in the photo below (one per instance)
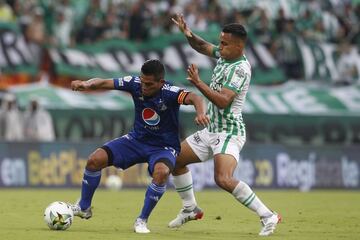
(234, 75)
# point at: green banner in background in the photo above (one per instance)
(293, 113)
(57, 98)
(297, 98)
(15, 52)
(292, 98)
(317, 61)
(121, 57)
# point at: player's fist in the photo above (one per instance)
(78, 85)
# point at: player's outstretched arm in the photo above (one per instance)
(92, 84)
(221, 99)
(201, 118)
(195, 41)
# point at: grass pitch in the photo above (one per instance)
(313, 215)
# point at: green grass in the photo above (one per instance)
(313, 215)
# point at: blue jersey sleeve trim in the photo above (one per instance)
(116, 83)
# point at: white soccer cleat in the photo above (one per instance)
(140, 226)
(186, 215)
(269, 224)
(86, 214)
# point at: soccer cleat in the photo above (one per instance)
(140, 226)
(186, 215)
(269, 224)
(86, 214)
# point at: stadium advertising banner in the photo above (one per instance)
(55, 165)
(265, 166)
(277, 166)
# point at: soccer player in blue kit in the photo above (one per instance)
(154, 138)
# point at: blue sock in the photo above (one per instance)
(90, 182)
(153, 194)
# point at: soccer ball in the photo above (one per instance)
(58, 216)
(113, 182)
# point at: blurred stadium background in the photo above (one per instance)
(302, 110)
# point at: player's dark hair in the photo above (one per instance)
(236, 29)
(153, 67)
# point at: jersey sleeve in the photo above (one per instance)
(124, 83)
(216, 52)
(182, 95)
(236, 78)
(177, 94)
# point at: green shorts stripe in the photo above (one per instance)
(225, 144)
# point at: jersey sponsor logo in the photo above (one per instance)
(174, 89)
(216, 86)
(150, 116)
(127, 78)
(120, 82)
(237, 82)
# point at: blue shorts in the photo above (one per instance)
(126, 151)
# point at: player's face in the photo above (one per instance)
(230, 47)
(149, 85)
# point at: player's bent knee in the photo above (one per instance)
(161, 173)
(95, 163)
(222, 181)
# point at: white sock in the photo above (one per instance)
(247, 197)
(184, 186)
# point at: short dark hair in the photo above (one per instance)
(153, 67)
(236, 29)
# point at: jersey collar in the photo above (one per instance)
(242, 58)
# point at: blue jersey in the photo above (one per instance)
(156, 118)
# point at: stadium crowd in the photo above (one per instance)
(67, 23)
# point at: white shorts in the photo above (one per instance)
(206, 144)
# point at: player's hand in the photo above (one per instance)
(78, 85)
(180, 22)
(193, 75)
(202, 120)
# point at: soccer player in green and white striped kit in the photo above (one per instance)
(224, 137)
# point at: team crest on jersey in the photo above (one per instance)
(161, 105)
(240, 72)
(150, 116)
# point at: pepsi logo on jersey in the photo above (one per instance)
(150, 117)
